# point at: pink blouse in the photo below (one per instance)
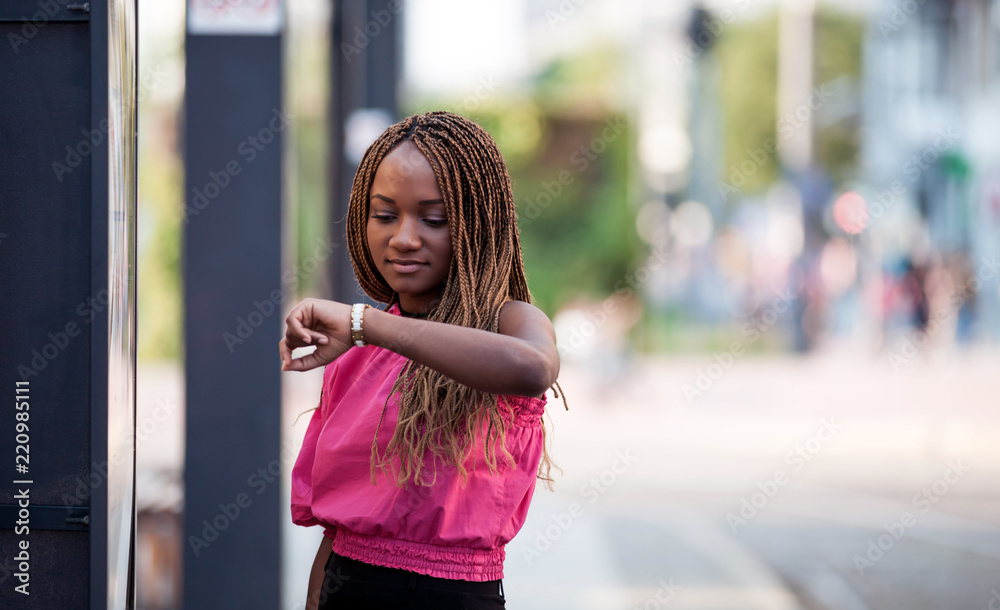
(442, 530)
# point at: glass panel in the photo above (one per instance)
(121, 279)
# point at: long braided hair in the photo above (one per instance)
(487, 270)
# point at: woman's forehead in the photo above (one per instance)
(406, 158)
(405, 172)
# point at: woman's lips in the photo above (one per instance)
(406, 267)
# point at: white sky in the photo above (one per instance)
(452, 44)
(160, 22)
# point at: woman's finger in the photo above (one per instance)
(293, 341)
(304, 363)
(283, 351)
(297, 321)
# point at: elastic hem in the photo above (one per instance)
(454, 562)
(527, 410)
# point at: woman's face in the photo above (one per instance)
(408, 228)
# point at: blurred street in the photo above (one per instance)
(650, 510)
(663, 523)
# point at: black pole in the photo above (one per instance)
(234, 123)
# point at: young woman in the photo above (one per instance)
(453, 370)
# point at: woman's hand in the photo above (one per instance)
(325, 324)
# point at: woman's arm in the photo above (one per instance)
(520, 359)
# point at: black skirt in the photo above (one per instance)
(354, 585)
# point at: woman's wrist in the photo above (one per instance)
(368, 323)
(383, 329)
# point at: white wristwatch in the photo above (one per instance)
(357, 313)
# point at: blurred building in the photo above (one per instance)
(931, 143)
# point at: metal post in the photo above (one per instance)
(234, 130)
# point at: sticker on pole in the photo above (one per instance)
(262, 17)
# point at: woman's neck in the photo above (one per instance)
(411, 315)
(418, 306)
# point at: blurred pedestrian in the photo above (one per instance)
(914, 288)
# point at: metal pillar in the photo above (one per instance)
(233, 133)
(67, 238)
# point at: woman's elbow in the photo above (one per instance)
(541, 373)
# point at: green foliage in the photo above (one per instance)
(308, 173)
(577, 227)
(516, 125)
(839, 38)
(748, 57)
(159, 254)
(308, 92)
(587, 83)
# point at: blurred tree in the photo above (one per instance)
(159, 242)
(577, 227)
(160, 202)
(748, 60)
(308, 65)
(839, 38)
(748, 56)
(586, 84)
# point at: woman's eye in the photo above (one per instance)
(434, 222)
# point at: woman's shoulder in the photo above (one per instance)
(515, 314)
(515, 305)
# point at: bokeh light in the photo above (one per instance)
(691, 224)
(850, 212)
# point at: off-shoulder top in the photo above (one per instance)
(443, 530)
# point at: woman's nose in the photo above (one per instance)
(406, 236)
